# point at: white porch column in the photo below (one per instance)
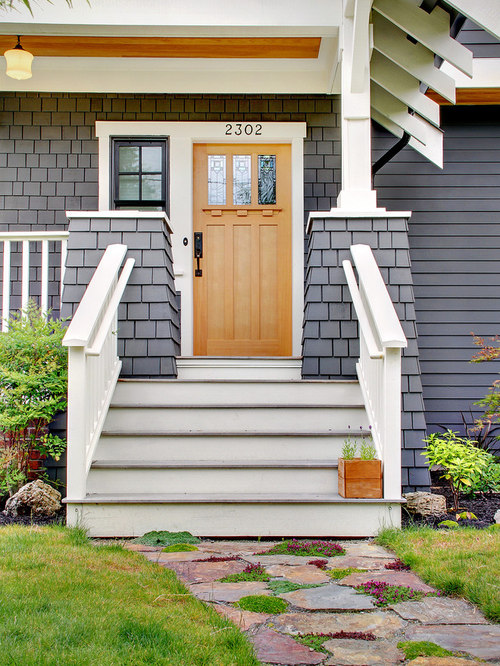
(357, 193)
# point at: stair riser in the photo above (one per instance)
(234, 419)
(120, 481)
(219, 448)
(236, 520)
(213, 393)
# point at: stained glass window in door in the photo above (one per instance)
(267, 179)
(242, 180)
(216, 180)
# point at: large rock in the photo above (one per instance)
(36, 499)
(425, 504)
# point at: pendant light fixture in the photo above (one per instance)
(18, 62)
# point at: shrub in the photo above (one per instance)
(462, 461)
(491, 401)
(33, 388)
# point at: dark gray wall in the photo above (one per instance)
(455, 253)
(480, 42)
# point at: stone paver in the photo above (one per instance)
(440, 610)
(303, 575)
(204, 572)
(444, 661)
(190, 556)
(241, 618)
(329, 597)
(406, 578)
(227, 591)
(273, 648)
(230, 547)
(480, 640)
(140, 548)
(292, 560)
(381, 624)
(358, 562)
(366, 549)
(351, 652)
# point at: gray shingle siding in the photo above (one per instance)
(455, 252)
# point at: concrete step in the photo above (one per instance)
(217, 367)
(203, 418)
(166, 392)
(234, 514)
(230, 446)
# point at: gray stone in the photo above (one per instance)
(443, 661)
(350, 652)
(425, 504)
(352, 561)
(381, 624)
(273, 648)
(269, 560)
(439, 610)
(496, 517)
(34, 499)
(243, 619)
(228, 592)
(305, 574)
(480, 640)
(203, 572)
(329, 597)
(366, 549)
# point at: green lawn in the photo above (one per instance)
(64, 601)
(464, 562)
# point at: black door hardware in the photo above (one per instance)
(198, 252)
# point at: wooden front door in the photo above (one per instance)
(242, 289)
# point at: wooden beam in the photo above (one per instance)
(469, 96)
(483, 12)
(432, 30)
(416, 59)
(166, 47)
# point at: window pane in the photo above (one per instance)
(242, 180)
(151, 159)
(267, 179)
(216, 180)
(128, 158)
(151, 187)
(128, 187)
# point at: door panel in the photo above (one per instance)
(242, 300)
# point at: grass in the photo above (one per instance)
(165, 538)
(179, 548)
(260, 603)
(65, 601)
(463, 562)
(414, 649)
(284, 586)
(306, 548)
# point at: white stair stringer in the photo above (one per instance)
(228, 458)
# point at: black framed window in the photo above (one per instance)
(139, 174)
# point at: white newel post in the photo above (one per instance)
(77, 423)
(391, 431)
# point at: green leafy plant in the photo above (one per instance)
(165, 538)
(367, 451)
(349, 450)
(304, 548)
(315, 641)
(488, 351)
(179, 548)
(338, 574)
(386, 594)
(284, 586)
(414, 649)
(351, 443)
(250, 573)
(461, 460)
(33, 389)
(489, 479)
(451, 524)
(260, 603)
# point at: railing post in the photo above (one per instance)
(77, 423)
(391, 427)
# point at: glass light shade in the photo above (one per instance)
(18, 63)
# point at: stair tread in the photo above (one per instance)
(231, 433)
(206, 405)
(223, 498)
(215, 464)
(305, 382)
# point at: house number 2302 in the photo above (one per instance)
(239, 128)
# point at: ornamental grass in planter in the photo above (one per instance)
(359, 477)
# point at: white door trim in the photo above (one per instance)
(182, 136)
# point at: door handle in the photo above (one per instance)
(198, 252)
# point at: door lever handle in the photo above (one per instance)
(198, 252)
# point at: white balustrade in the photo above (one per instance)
(27, 239)
(93, 363)
(381, 339)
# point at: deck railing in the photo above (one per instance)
(27, 238)
(381, 339)
(93, 363)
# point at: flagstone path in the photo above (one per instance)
(332, 606)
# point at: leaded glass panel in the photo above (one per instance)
(267, 179)
(242, 180)
(216, 180)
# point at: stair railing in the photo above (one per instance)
(93, 363)
(26, 238)
(381, 339)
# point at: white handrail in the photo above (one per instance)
(93, 363)
(26, 238)
(381, 339)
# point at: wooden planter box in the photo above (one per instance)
(360, 478)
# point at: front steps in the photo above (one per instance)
(228, 458)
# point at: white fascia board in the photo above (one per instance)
(486, 74)
(484, 13)
(432, 30)
(255, 13)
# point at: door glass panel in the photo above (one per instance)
(128, 187)
(128, 159)
(151, 187)
(267, 179)
(242, 180)
(151, 159)
(216, 180)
